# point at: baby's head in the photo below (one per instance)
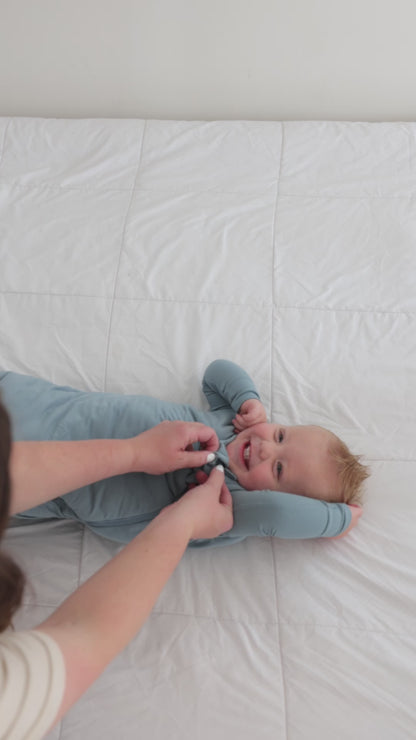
(306, 460)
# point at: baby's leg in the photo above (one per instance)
(41, 411)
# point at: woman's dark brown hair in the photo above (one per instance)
(12, 580)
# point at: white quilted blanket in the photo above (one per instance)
(132, 254)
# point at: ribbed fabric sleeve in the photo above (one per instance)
(226, 384)
(32, 682)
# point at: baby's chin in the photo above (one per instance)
(244, 483)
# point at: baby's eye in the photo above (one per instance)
(279, 469)
(281, 435)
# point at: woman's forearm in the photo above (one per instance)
(41, 471)
(104, 614)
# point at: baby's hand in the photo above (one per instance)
(251, 412)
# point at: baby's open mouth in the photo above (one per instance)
(246, 454)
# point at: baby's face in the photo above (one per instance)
(291, 459)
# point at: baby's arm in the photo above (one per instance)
(287, 516)
(356, 512)
(226, 385)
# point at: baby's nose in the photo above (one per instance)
(265, 449)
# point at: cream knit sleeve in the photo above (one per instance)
(32, 682)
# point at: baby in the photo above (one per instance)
(286, 481)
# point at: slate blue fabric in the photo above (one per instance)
(120, 507)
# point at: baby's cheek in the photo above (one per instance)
(250, 481)
(260, 480)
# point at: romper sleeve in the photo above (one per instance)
(32, 683)
(286, 515)
(283, 515)
(225, 385)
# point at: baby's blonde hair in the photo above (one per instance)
(351, 472)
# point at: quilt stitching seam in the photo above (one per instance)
(123, 234)
(3, 143)
(259, 303)
(372, 630)
(279, 643)
(278, 622)
(274, 264)
(81, 554)
(251, 623)
(44, 185)
(181, 191)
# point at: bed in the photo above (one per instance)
(135, 252)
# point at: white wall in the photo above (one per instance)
(207, 59)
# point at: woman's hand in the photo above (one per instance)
(251, 412)
(41, 471)
(168, 446)
(207, 509)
